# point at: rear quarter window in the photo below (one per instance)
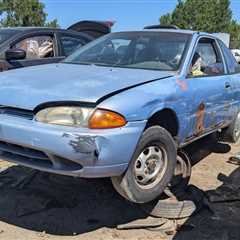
(232, 65)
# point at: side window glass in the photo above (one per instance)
(232, 65)
(70, 44)
(37, 47)
(207, 60)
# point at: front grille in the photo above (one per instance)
(35, 158)
(17, 112)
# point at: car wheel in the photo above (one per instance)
(151, 168)
(232, 132)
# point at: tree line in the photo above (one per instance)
(205, 15)
(16, 13)
(201, 15)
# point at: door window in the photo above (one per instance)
(233, 66)
(207, 60)
(70, 44)
(37, 47)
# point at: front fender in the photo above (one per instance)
(142, 102)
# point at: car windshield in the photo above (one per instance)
(5, 34)
(142, 50)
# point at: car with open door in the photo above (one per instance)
(121, 107)
(28, 46)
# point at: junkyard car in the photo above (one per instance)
(28, 46)
(120, 107)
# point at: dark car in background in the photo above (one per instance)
(28, 46)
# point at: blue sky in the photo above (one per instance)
(128, 14)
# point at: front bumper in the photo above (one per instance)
(69, 151)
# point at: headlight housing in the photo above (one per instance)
(67, 116)
(81, 117)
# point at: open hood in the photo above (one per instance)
(93, 28)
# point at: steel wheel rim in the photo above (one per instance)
(150, 166)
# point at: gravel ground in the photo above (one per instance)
(44, 206)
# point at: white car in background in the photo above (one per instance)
(236, 54)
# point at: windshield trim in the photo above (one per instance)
(96, 65)
(119, 66)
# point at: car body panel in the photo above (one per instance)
(67, 82)
(94, 151)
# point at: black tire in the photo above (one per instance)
(231, 134)
(127, 185)
(189, 204)
(181, 177)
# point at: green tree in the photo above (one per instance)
(16, 13)
(234, 30)
(205, 15)
(166, 19)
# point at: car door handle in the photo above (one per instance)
(227, 85)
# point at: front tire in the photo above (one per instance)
(151, 168)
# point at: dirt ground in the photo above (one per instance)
(45, 206)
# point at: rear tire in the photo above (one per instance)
(151, 168)
(231, 134)
(181, 177)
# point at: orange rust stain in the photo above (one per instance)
(200, 118)
(182, 84)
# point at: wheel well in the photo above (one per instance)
(165, 118)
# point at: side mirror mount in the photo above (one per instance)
(15, 54)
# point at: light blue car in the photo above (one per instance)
(121, 107)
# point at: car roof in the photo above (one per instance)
(170, 30)
(179, 31)
(29, 29)
(26, 28)
(184, 31)
(20, 30)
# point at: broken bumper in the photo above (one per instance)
(69, 151)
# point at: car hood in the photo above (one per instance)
(28, 87)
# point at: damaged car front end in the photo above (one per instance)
(65, 150)
(119, 107)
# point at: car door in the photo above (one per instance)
(211, 95)
(40, 48)
(234, 74)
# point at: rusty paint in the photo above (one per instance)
(200, 118)
(182, 84)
